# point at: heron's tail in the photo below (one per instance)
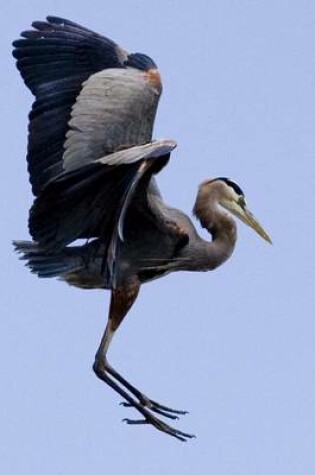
(48, 264)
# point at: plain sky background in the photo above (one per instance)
(235, 347)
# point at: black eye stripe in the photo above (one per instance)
(233, 185)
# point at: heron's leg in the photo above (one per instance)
(121, 301)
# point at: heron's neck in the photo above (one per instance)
(222, 228)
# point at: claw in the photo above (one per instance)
(135, 421)
(145, 406)
(156, 407)
(153, 408)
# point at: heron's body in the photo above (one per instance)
(161, 252)
(92, 165)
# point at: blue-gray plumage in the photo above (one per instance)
(92, 164)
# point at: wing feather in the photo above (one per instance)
(91, 195)
(115, 110)
(55, 58)
(92, 201)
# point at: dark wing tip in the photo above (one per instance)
(58, 20)
(63, 22)
(55, 24)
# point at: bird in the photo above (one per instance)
(98, 220)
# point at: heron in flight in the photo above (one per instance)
(92, 164)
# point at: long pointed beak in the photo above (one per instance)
(252, 222)
(246, 216)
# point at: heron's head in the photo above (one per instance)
(230, 196)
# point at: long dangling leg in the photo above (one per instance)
(122, 299)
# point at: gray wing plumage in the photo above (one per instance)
(114, 110)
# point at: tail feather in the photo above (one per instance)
(47, 264)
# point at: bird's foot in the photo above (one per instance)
(160, 425)
(141, 403)
(157, 407)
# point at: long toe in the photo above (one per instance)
(161, 426)
(162, 412)
(157, 407)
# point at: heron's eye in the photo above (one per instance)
(241, 202)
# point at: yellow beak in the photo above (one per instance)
(251, 221)
(246, 216)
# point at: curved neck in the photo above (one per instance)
(220, 225)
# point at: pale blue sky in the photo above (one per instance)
(235, 347)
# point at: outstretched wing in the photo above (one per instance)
(92, 98)
(90, 150)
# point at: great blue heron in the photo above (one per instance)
(92, 161)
